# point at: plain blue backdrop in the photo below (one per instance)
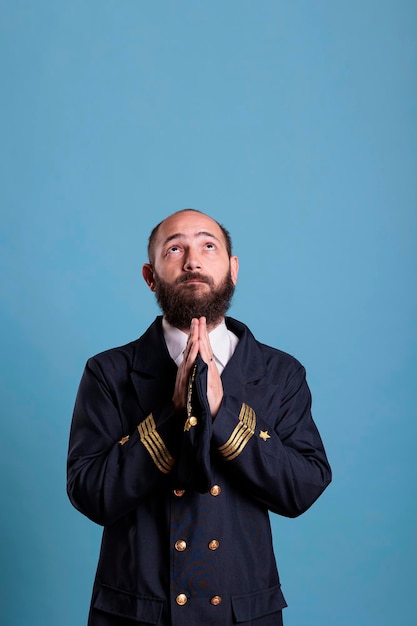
(292, 122)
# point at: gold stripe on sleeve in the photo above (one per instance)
(243, 431)
(154, 444)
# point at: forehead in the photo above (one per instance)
(190, 225)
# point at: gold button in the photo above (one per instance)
(180, 545)
(179, 492)
(192, 421)
(214, 544)
(216, 600)
(215, 490)
(181, 599)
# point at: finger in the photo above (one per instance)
(205, 348)
(191, 354)
(191, 348)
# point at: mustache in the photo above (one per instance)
(194, 276)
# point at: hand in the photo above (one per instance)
(214, 383)
(179, 398)
(198, 342)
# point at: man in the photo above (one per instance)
(183, 440)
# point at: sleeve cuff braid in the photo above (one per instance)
(155, 445)
(244, 430)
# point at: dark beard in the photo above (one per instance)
(180, 304)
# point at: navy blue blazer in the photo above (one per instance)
(183, 499)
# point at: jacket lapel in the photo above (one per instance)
(153, 371)
(247, 365)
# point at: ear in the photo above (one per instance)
(234, 268)
(148, 275)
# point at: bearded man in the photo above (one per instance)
(183, 441)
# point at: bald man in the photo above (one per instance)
(182, 442)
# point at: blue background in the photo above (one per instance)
(294, 124)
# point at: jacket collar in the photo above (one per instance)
(247, 363)
(151, 354)
(153, 371)
(152, 360)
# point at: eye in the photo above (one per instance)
(173, 250)
(210, 246)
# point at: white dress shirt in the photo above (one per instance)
(222, 340)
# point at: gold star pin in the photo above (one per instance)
(264, 435)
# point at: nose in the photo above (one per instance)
(192, 261)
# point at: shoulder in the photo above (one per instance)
(115, 356)
(123, 357)
(270, 355)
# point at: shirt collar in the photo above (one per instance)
(175, 339)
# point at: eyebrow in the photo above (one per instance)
(202, 233)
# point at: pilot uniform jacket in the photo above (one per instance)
(183, 498)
